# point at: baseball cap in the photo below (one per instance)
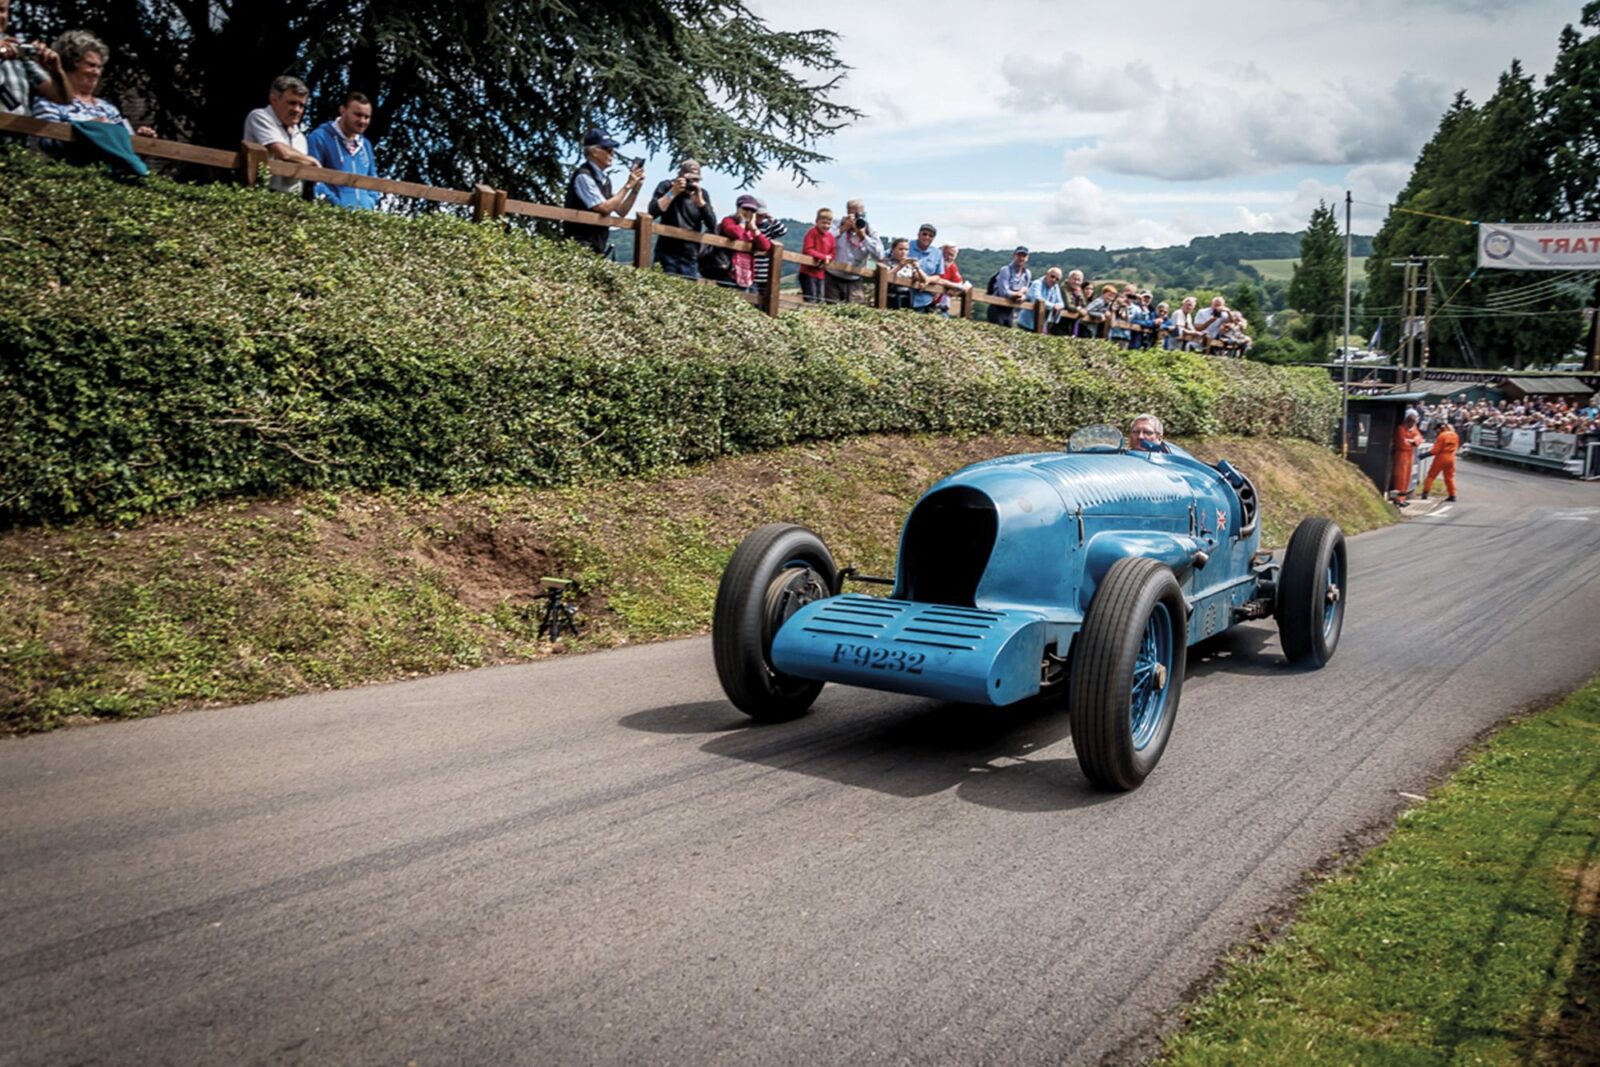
(598, 138)
(929, 228)
(747, 200)
(1022, 250)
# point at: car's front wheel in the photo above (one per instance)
(774, 572)
(1127, 673)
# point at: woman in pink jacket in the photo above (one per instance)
(741, 226)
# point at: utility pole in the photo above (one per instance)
(1427, 312)
(1414, 326)
(1408, 303)
(1344, 403)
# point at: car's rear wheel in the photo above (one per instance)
(774, 572)
(1311, 592)
(1127, 673)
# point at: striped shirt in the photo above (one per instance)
(20, 77)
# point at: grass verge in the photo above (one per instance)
(1472, 935)
(246, 600)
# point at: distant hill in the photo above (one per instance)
(1203, 263)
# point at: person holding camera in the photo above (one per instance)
(82, 58)
(682, 201)
(27, 70)
(590, 190)
(855, 246)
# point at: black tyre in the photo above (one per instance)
(773, 573)
(1127, 673)
(1311, 592)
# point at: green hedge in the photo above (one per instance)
(164, 344)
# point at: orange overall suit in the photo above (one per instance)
(1444, 461)
(1406, 439)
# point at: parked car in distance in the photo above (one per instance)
(1086, 574)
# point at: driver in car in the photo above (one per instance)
(1145, 434)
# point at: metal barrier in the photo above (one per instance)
(1572, 454)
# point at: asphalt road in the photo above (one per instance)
(597, 860)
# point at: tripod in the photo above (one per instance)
(557, 613)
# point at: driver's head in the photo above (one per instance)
(1145, 433)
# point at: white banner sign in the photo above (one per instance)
(1523, 441)
(1539, 245)
(1558, 445)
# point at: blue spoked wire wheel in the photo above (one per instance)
(1311, 592)
(778, 569)
(1127, 673)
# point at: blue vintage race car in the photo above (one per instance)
(1087, 572)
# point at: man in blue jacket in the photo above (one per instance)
(340, 144)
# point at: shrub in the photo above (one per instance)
(164, 344)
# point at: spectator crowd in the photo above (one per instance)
(923, 275)
(1531, 413)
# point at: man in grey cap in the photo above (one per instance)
(590, 190)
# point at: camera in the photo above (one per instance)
(861, 222)
(633, 164)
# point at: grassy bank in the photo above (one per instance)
(1472, 935)
(252, 599)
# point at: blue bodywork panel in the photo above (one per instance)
(965, 654)
(998, 564)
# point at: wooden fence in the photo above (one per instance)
(249, 161)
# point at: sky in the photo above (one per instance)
(1055, 126)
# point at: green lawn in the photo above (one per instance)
(1472, 935)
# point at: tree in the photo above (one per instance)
(1570, 104)
(1490, 164)
(1317, 289)
(493, 91)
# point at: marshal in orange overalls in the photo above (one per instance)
(1444, 462)
(1406, 439)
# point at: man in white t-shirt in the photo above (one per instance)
(277, 126)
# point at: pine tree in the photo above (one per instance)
(1485, 164)
(1570, 105)
(1317, 289)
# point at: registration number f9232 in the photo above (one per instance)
(879, 659)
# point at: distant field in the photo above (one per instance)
(1282, 270)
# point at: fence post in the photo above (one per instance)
(774, 278)
(880, 294)
(1040, 325)
(254, 155)
(966, 302)
(487, 202)
(643, 236)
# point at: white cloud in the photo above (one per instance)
(1075, 84)
(1218, 131)
(985, 132)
